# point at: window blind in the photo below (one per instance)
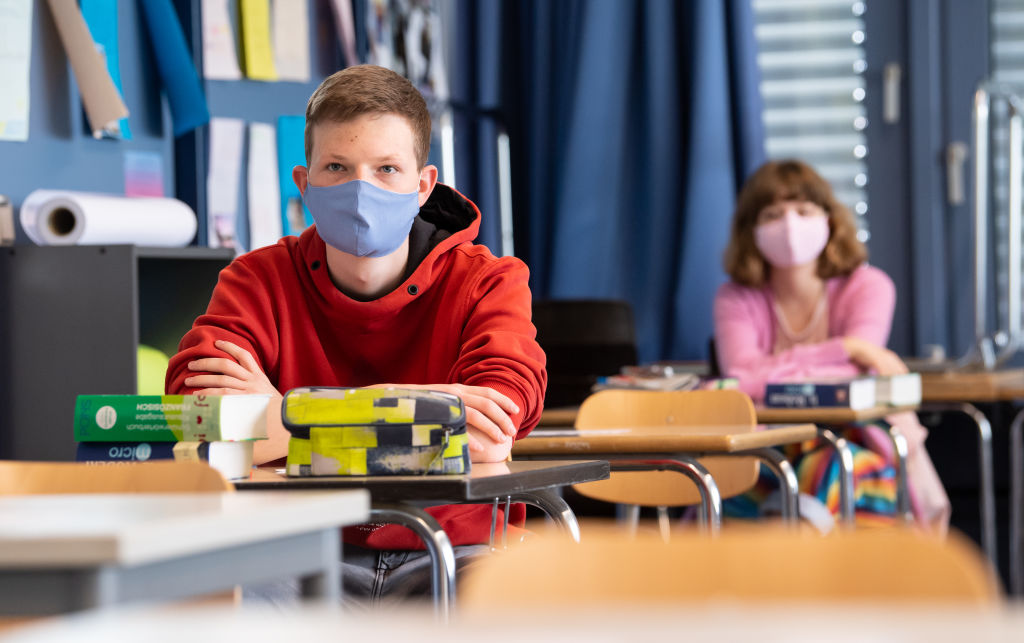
(1006, 58)
(811, 58)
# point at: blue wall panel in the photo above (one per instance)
(60, 153)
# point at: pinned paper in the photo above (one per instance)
(101, 18)
(6, 222)
(220, 60)
(174, 62)
(291, 39)
(143, 174)
(103, 104)
(15, 61)
(259, 57)
(291, 151)
(264, 196)
(222, 181)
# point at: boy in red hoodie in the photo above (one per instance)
(385, 288)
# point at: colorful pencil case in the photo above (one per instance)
(371, 432)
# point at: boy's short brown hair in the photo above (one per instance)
(369, 89)
(790, 180)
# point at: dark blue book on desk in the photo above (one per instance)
(124, 451)
(856, 393)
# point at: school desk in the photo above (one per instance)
(833, 416)
(677, 449)
(954, 391)
(61, 553)
(395, 499)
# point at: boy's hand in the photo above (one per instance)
(487, 411)
(229, 376)
(483, 449)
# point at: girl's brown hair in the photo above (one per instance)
(790, 180)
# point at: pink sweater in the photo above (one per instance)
(745, 330)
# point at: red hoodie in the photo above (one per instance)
(460, 316)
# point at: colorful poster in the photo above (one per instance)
(259, 56)
(291, 39)
(143, 174)
(291, 151)
(101, 18)
(103, 105)
(15, 62)
(264, 197)
(222, 182)
(220, 58)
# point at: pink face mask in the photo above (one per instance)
(792, 240)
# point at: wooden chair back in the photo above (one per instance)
(24, 478)
(754, 563)
(693, 410)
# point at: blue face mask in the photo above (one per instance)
(360, 218)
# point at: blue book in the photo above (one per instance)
(232, 459)
(856, 393)
(124, 451)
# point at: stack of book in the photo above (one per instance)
(853, 393)
(218, 430)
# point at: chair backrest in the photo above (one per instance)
(25, 478)
(742, 563)
(685, 410)
(583, 339)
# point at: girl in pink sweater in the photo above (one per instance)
(804, 304)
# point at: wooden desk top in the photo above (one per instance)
(826, 415)
(954, 386)
(566, 416)
(485, 481)
(87, 530)
(667, 440)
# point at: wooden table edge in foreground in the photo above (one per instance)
(81, 551)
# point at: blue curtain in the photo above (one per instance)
(476, 102)
(632, 124)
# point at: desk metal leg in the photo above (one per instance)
(1016, 500)
(789, 486)
(901, 450)
(555, 507)
(325, 585)
(846, 490)
(986, 483)
(710, 498)
(442, 556)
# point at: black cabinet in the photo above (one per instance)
(71, 320)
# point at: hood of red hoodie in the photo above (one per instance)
(447, 220)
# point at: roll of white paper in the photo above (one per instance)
(64, 218)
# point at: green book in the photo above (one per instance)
(170, 418)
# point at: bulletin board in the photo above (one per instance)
(61, 153)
